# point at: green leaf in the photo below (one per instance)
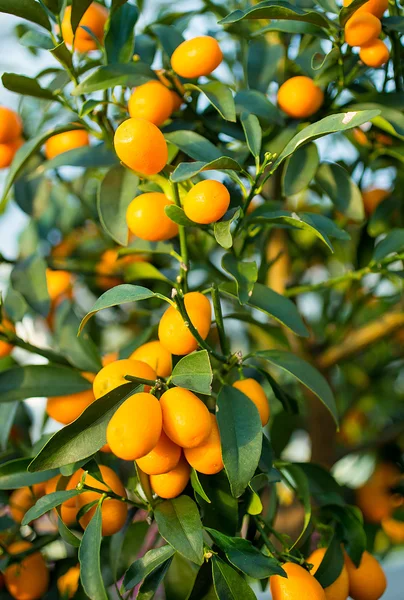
(392, 243)
(394, 24)
(46, 503)
(170, 38)
(116, 192)
(229, 585)
(14, 474)
(120, 294)
(86, 435)
(120, 37)
(152, 582)
(256, 103)
(332, 564)
(241, 437)
(276, 10)
(144, 270)
(219, 96)
(15, 305)
(28, 277)
(7, 414)
(300, 168)
(142, 567)
(185, 171)
(32, 381)
(348, 11)
(245, 274)
(194, 372)
(67, 535)
(263, 62)
(177, 214)
(341, 189)
(108, 76)
(222, 512)
(303, 372)
(26, 9)
(197, 486)
(296, 478)
(36, 39)
(245, 556)
(63, 55)
(90, 558)
(26, 86)
(222, 228)
(353, 534)
(79, 7)
(252, 132)
(323, 487)
(180, 525)
(194, 145)
(144, 247)
(86, 156)
(293, 27)
(278, 307)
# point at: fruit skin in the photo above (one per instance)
(375, 498)
(372, 198)
(113, 511)
(10, 125)
(65, 409)
(251, 388)
(68, 583)
(151, 101)
(113, 375)
(8, 150)
(300, 585)
(277, 255)
(207, 457)
(171, 484)
(206, 202)
(94, 18)
(135, 428)
(174, 335)
(177, 100)
(5, 347)
(141, 146)
(29, 579)
(58, 283)
(146, 217)
(163, 458)
(186, 420)
(21, 500)
(376, 7)
(63, 142)
(196, 57)
(156, 356)
(299, 97)
(339, 589)
(394, 529)
(362, 29)
(368, 581)
(374, 54)
(68, 510)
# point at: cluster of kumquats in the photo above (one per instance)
(364, 28)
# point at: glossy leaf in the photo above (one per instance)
(14, 474)
(219, 96)
(86, 156)
(302, 490)
(142, 567)
(119, 39)
(252, 132)
(144, 247)
(332, 564)
(245, 274)
(185, 171)
(353, 535)
(81, 351)
(26, 9)
(7, 414)
(222, 228)
(256, 103)
(79, 7)
(194, 145)
(151, 583)
(392, 243)
(108, 76)
(29, 279)
(348, 11)
(229, 585)
(341, 189)
(222, 512)
(263, 60)
(90, 558)
(300, 169)
(197, 486)
(276, 10)
(46, 503)
(194, 372)
(27, 86)
(168, 36)
(177, 214)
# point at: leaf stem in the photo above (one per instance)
(224, 344)
(184, 265)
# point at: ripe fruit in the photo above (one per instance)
(207, 457)
(5, 347)
(10, 125)
(163, 458)
(7, 152)
(58, 282)
(175, 97)
(156, 356)
(113, 375)
(376, 7)
(68, 584)
(278, 258)
(28, 579)
(65, 409)
(375, 498)
(113, 511)
(186, 420)
(362, 29)
(339, 589)
(299, 97)
(68, 510)
(368, 581)
(255, 392)
(135, 428)
(151, 101)
(372, 198)
(39, 489)
(173, 333)
(94, 19)
(206, 202)
(300, 585)
(375, 54)
(63, 142)
(360, 137)
(196, 57)
(141, 146)
(147, 219)
(21, 501)
(171, 484)
(394, 529)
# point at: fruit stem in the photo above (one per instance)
(224, 344)
(184, 265)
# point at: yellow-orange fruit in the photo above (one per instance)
(156, 356)
(196, 57)
(5, 347)
(171, 484)
(376, 7)
(163, 458)
(299, 585)
(255, 392)
(339, 589)
(21, 501)
(147, 220)
(177, 100)
(7, 152)
(28, 579)
(135, 428)
(110, 357)
(299, 97)
(39, 489)
(63, 142)
(58, 283)
(94, 19)
(362, 29)
(372, 198)
(141, 146)
(151, 101)
(375, 54)
(113, 511)
(68, 583)
(368, 581)
(207, 457)
(10, 125)
(277, 254)
(186, 420)
(68, 510)
(360, 137)
(375, 498)
(174, 334)
(206, 202)
(65, 409)
(68, 515)
(113, 375)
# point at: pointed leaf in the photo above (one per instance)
(26, 9)
(341, 189)
(147, 564)
(46, 503)
(222, 228)
(194, 372)
(219, 96)
(90, 558)
(276, 10)
(229, 585)
(26, 86)
(252, 132)
(392, 243)
(119, 39)
(105, 77)
(244, 272)
(194, 145)
(14, 474)
(187, 170)
(300, 169)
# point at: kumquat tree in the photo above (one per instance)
(205, 310)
